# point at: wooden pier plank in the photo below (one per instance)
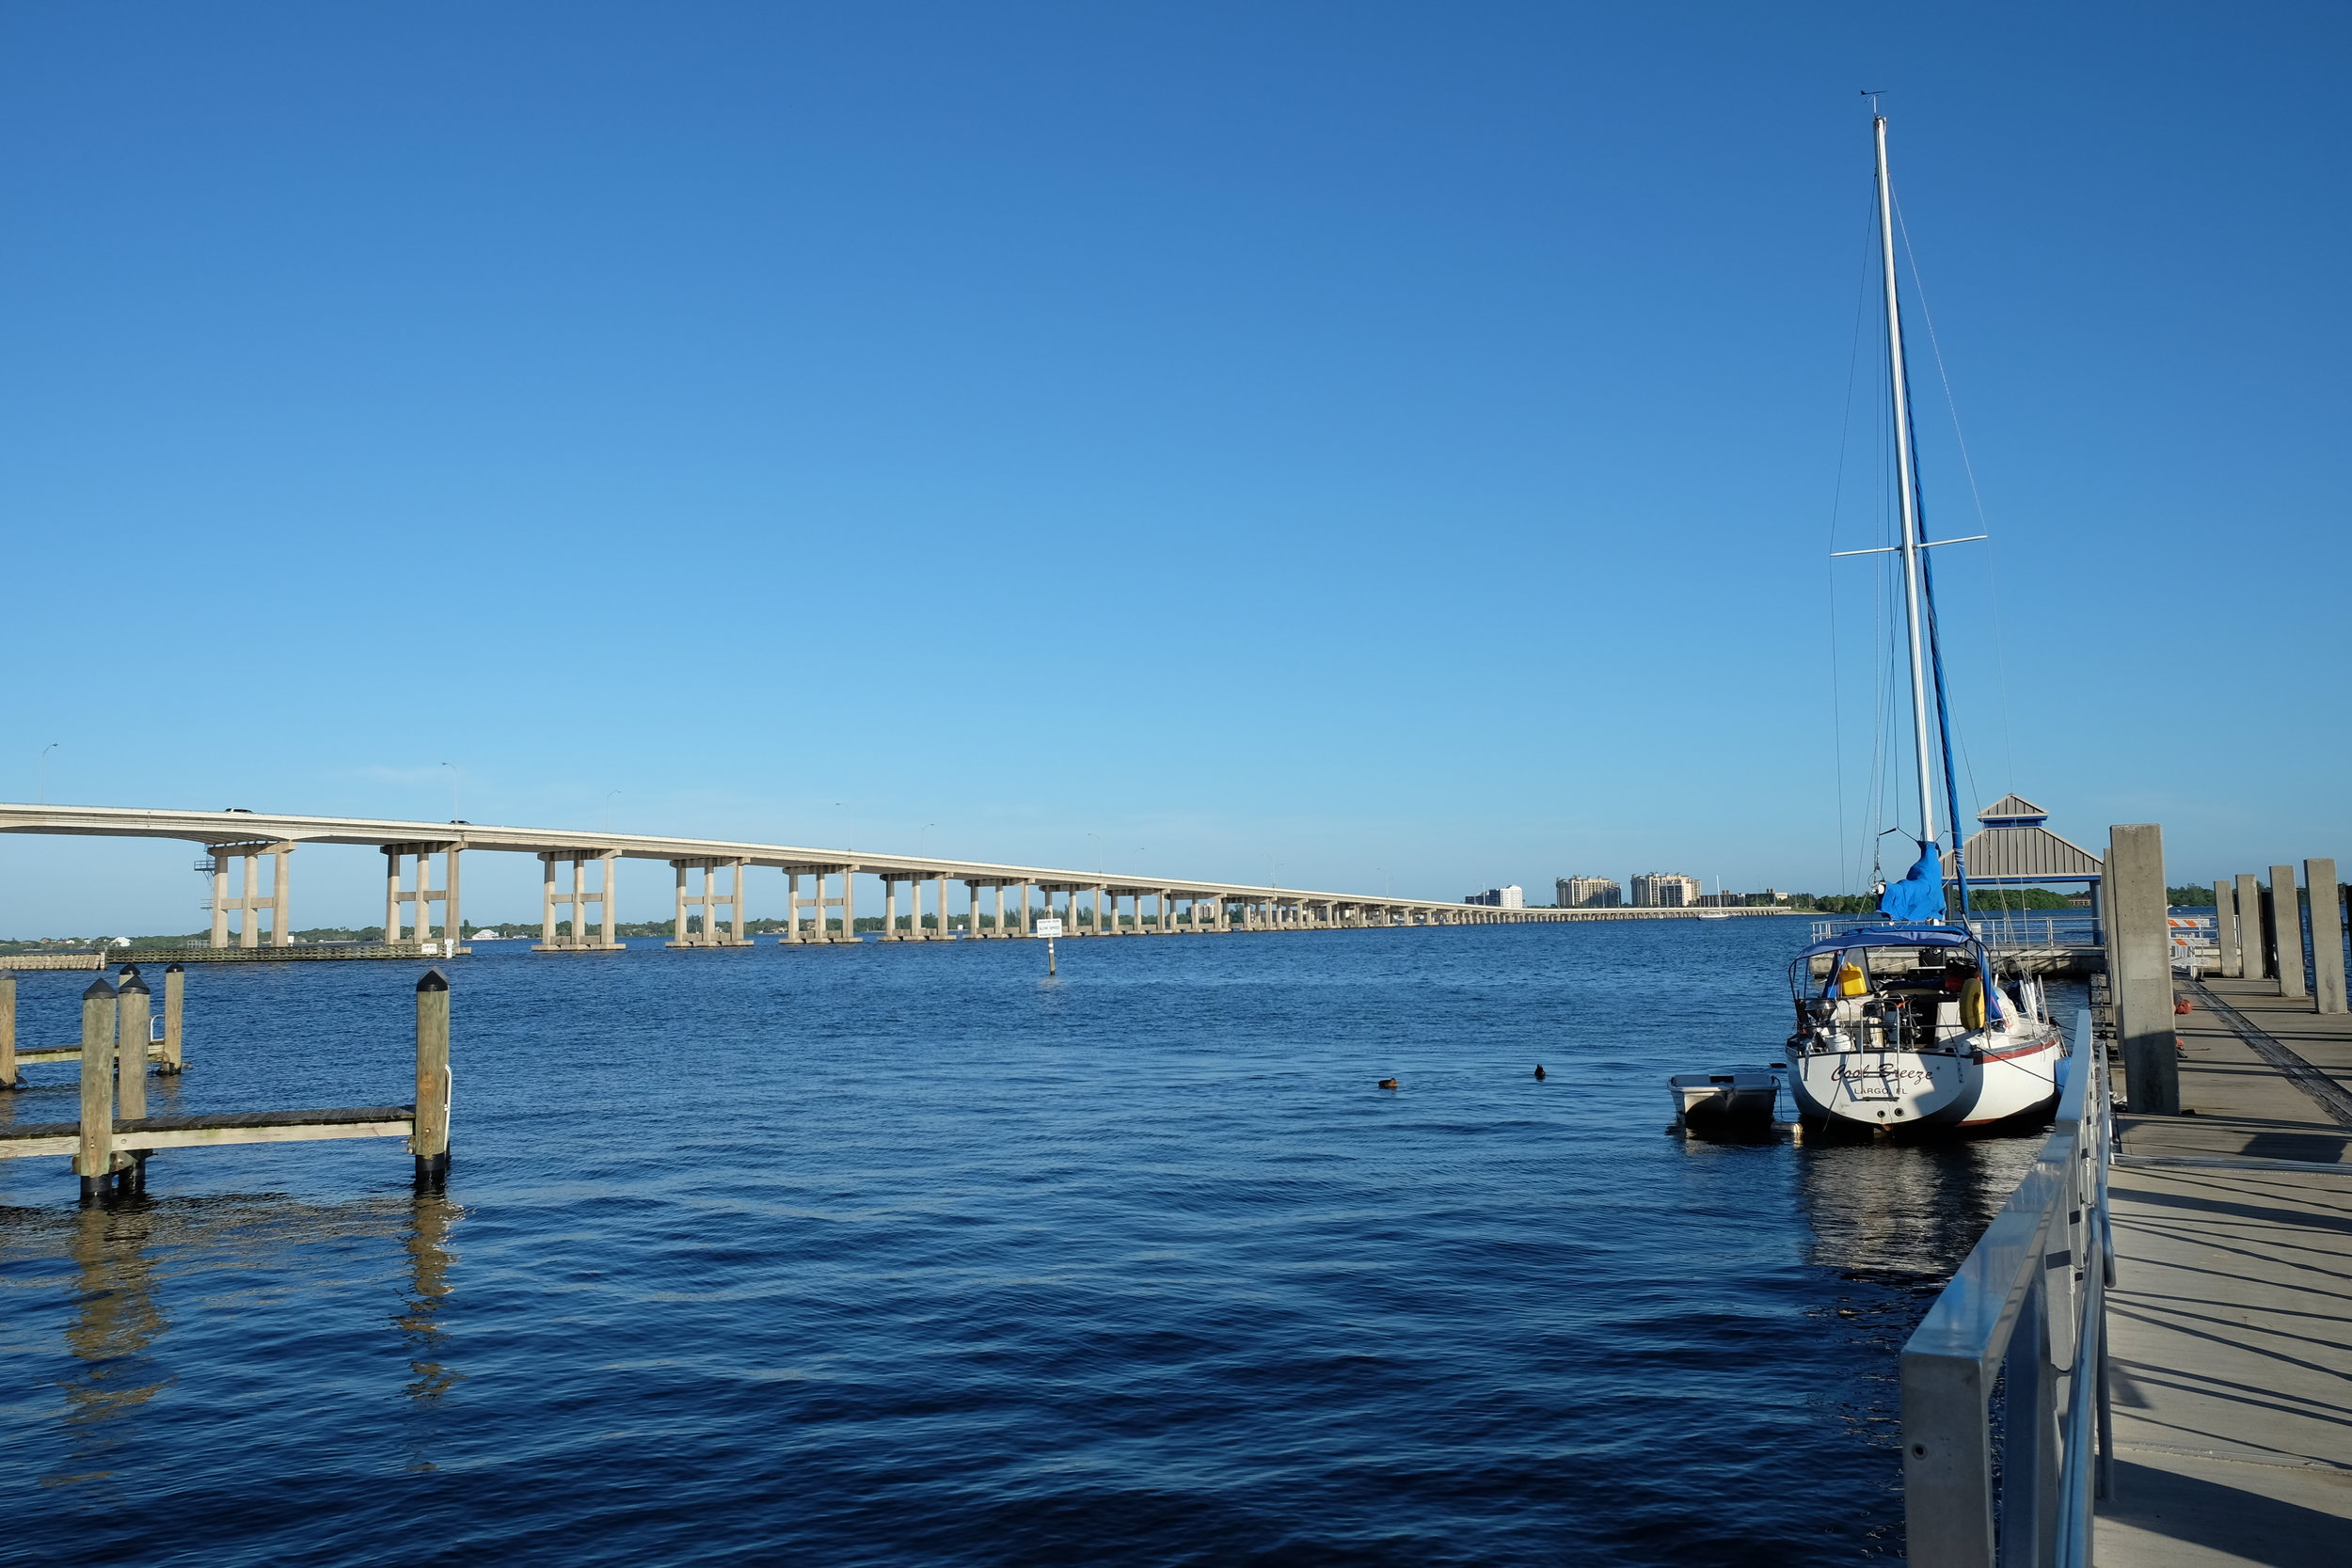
(53, 1054)
(30, 1140)
(2231, 1348)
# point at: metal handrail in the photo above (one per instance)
(2027, 1305)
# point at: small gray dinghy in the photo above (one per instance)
(1729, 1100)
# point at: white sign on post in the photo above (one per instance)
(1046, 928)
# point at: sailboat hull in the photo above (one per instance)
(1990, 1078)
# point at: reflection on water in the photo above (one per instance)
(120, 1258)
(1905, 1212)
(115, 1319)
(432, 1219)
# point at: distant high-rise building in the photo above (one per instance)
(1499, 898)
(1665, 889)
(1588, 892)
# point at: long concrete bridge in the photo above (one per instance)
(250, 909)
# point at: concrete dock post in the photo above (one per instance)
(2140, 967)
(2253, 949)
(429, 1141)
(2225, 927)
(8, 1029)
(2286, 908)
(93, 1161)
(175, 1017)
(2319, 880)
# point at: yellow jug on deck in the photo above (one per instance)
(1850, 981)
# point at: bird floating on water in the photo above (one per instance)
(1388, 1082)
(1539, 1070)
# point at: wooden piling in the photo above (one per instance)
(429, 1141)
(8, 1029)
(132, 1018)
(93, 1159)
(132, 1027)
(175, 1014)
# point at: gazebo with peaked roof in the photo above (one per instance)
(2014, 849)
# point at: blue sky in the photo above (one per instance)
(1332, 443)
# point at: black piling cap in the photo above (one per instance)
(132, 986)
(434, 980)
(130, 971)
(175, 969)
(99, 989)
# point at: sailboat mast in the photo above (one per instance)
(1897, 381)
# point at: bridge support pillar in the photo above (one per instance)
(817, 904)
(250, 901)
(577, 896)
(706, 899)
(423, 895)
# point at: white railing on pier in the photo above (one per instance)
(2027, 1311)
(2003, 929)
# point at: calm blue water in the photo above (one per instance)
(901, 1256)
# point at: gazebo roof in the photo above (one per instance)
(2013, 811)
(2014, 847)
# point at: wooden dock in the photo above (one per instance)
(2231, 1319)
(29, 1140)
(112, 1138)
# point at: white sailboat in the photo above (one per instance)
(1908, 1024)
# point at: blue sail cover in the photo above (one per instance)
(1918, 899)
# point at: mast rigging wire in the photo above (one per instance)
(1968, 468)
